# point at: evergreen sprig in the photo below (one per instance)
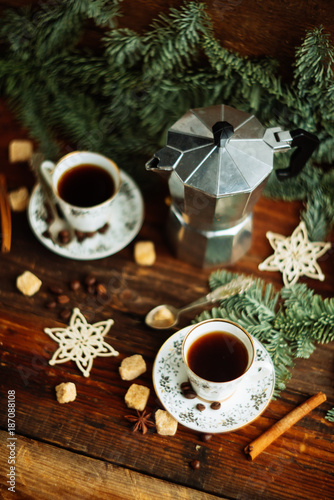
(330, 415)
(121, 99)
(289, 323)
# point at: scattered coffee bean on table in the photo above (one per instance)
(51, 304)
(75, 285)
(206, 437)
(65, 313)
(56, 290)
(215, 405)
(63, 299)
(87, 285)
(90, 280)
(195, 464)
(200, 407)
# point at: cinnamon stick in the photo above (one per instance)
(6, 221)
(258, 445)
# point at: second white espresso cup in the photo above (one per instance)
(74, 180)
(231, 335)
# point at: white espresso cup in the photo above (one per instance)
(85, 185)
(218, 355)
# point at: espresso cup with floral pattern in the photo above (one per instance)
(218, 355)
(85, 185)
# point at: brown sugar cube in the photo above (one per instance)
(165, 423)
(66, 392)
(28, 283)
(18, 199)
(144, 253)
(132, 367)
(137, 397)
(20, 150)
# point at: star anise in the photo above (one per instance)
(141, 420)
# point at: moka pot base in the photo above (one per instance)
(208, 248)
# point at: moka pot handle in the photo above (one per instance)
(305, 144)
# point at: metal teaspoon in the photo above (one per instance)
(166, 316)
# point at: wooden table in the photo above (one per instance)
(86, 449)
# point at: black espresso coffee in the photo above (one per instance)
(86, 186)
(218, 357)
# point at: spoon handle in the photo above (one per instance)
(234, 287)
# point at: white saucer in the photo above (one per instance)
(126, 222)
(246, 404)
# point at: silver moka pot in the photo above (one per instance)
(217, 161)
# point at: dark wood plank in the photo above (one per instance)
(66, 475)
(94, 424)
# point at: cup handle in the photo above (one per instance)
(46, 169)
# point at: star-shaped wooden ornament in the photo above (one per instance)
(81, 342)
(295, 256)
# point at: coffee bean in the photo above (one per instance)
(195, 464)
(90, 280)
(57, 290)
(65, 313)
(90, 234)
(46, 234)
(80, 236)
(101, 289)
(75, 285)
(215, 405)
(104, 228)
(206, 437)
(52, 304)
(64, 236)
(200, 407)
(185, 385)
(91, 289)
(189, 394)
(63, 299)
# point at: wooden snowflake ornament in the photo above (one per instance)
(295, 256)
(81, 342)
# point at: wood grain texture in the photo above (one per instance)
(66, 475)
(94, 424)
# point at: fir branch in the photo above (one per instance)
(141, 84)
(330, 415)
(104, 12)
(289, 323)
(173, 40)
(124, 47)
(305, 312)
(314, 67)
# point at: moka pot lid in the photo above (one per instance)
(219, 150)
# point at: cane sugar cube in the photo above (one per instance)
(66, 392)
(20, 150)
(166, 424)
(18, 199)
(144, 253)
(28, 283)
(132, 367)
(137, 397)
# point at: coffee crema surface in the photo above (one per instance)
(86, 185)
(218, 357)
